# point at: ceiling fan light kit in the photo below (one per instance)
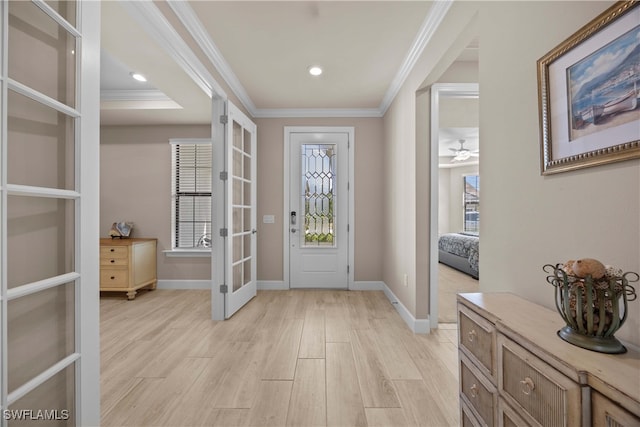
(462, 154)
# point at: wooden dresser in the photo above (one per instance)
(516, 371)
(127, 265)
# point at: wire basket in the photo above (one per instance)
(593, 309)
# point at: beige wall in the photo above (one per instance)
(135, 185)
(369, 199)
(528, 220)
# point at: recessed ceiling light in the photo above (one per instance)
(139, 77)
(315, 70)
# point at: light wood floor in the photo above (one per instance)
(451, 282)
(288, 358)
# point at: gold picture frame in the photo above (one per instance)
(588, 90)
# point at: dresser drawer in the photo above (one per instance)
(477, 391)
(536, 390)
(467, 418)
(108, 252)
(605, 413)
(116, 262)
(477, 336)
(114, 278)
(507, 417)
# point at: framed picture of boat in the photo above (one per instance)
(589, 93)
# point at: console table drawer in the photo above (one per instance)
(605, 413)
(478, 337)
(542, 393)
(477, 391)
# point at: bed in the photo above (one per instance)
(460, 251)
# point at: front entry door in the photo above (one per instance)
(319, 209)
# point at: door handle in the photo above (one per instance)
(293, 230)
(293, 218)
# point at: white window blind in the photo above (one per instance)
(191, 193)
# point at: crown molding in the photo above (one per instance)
(153, 21)
(192, 23)
(133, 95)
(150, 17)
(264, 113)
(431, 23)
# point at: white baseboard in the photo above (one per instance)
(367, 286)
(184, 284)
(418, 326)
(272, 285)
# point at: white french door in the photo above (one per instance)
(49, 184)
(240, 210)
(318, 209)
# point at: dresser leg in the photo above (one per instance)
(131, 295)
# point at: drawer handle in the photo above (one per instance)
(474, 391)
(113, 277)
(472, 335)
(527, 386)
(112, 261)
(112, 250)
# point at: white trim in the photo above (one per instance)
(218, 135)
(133, 95)
(190, 141)
(350, 130)
(165, 34)
(272, 285)
(367, 286)
(271, 113)
(41, 285)
(53, 14)
(190, 21)
(155, 24)
(187, 253)
(439, 90)
(27, 190)
(42, 98)
(429, 26)
(417, 326)
(184, 284)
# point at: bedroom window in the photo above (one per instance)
(471, 203)
(191, 168)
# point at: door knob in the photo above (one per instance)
(293, 230)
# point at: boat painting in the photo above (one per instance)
(603, 87)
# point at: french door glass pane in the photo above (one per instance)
(65, 8)
(40, 238)
(55, 396)
(318, 194)
(33, 31)
(35, 128)
(40, 332)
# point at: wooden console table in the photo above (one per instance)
(515, 370)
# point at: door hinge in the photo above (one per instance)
(348, 186)
(348, 269)
(224, 175)
(348, 228)
(224, 232)
(224, 119)
(224, 289)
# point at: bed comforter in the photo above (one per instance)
(462, 245)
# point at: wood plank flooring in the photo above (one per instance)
(450, 283)
(288, 358)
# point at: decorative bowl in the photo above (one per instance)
(593, 309)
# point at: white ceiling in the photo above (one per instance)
(262, 49)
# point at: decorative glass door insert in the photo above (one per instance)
(319, 201)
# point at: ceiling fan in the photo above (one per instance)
(462, 154)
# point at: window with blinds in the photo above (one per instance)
(191, 194)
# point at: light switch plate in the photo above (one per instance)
(268, 219)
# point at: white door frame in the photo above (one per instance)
(439, 90)
(288, 130)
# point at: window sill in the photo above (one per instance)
(188, 253)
